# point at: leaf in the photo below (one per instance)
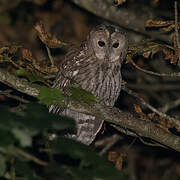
(139, 111)
(24, 169)
(34, 120)
(157, 23)
(78, 174)
(38, 117)
(55, 171)
(90, 162)
(50, 95)
(24, 136)
(32, 77)
(6, 137)
(9, 119)
(2, 165)
(119, 2)
(82, 95)
(74, 149)
(27, 54)
(47, 38)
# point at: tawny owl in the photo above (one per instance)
(96, 66)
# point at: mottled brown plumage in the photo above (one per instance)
(96, 66)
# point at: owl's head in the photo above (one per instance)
(108, 43)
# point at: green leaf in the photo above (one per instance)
(23, 169)
(50, 95)
(38, 117)
(2, 165)
(32, 77)
(82, 95)
(6, 120)
(6, 137)
(90, 162)
(74, 149)
(55, 171)
(24, 136)
(34, 120)
(79, 174)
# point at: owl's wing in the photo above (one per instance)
(87, 126)
(67, 71)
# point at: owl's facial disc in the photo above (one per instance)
(100, 43)
(108, 46)
(118, 46)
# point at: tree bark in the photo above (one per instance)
(112, 115)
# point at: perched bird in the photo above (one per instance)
(96, 66)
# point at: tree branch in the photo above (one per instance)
(132, 17)
(110, 114)
(18, 84)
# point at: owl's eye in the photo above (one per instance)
(115, 45)
(101, 43)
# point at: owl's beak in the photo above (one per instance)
(107, 56)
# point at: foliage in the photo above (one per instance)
(26, 150)
(30, 76)
(52, 95)
(82, 95)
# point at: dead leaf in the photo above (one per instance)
(169, 55)
(139, 112)
(166, 26)
(27, 54)
(119, 2)
(47, 38)
(155, 2)
(162, 122)
(157, 23)
(112, 156)
(119, 162)
(117, 159)
(147, 54)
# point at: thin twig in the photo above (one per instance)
(155, 73)
(124, 130)
(30, 157)
(7, 93)
(15, 64)
(154, 86)
(176, 25)
(14, 151)
(171, 119)
(50, 57)
(170, 105)
(114, 140)
(18, 84)
(12, 169)
(151, 144)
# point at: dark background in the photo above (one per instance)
(70, 23)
